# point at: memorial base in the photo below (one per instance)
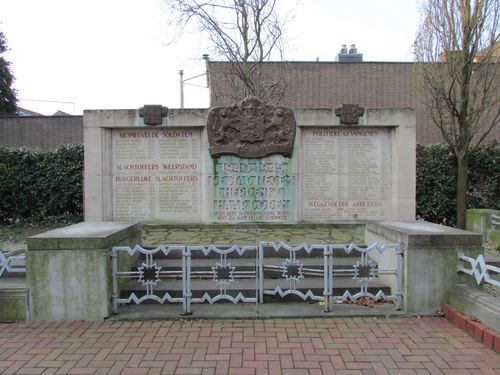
(68, 270)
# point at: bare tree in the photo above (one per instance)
(245, 33)
(458, 70)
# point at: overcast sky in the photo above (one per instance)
(113, 54)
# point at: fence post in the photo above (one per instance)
(261, 272)
(186, 280)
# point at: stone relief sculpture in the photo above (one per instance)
(251, 129)
(153, 114)
(349, 114)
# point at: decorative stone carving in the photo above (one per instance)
(153, 114)
(251, 129)
(350, 113)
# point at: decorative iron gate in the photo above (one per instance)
(148, 274)
(293, 270)
(222, 272)
(243, 266)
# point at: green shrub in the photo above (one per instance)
(436, 181)
(40, 185)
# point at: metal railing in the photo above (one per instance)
(366, 269)
(8, 262)
(289, 270)
(481, 271)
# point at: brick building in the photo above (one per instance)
(330, 84)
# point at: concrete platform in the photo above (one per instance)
(291, 310)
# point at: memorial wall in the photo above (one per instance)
(346, 173)
(185, 170)
(156, 174)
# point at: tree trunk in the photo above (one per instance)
(462, 167)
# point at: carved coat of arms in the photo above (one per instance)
(153, 114)
(251, 129)
(349, 114)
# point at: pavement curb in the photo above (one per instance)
(479, 331)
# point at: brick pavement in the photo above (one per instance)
(429, 345)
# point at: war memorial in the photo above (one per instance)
(250, 163)
(247, 205)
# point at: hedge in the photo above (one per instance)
(39, 185)
(436, 181)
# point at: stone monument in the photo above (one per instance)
(249, 162)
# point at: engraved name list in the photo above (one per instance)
(156, 174)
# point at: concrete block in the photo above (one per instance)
(430, 256)
(12, 299)
(68, 270)
(479, 221)
(474, 302)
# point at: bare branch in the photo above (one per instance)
(244, 32)
(458, 69)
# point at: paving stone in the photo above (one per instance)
(210, 234)
(310, 346)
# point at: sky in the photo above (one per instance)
(73, 55)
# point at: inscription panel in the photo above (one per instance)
(346, 173)
(156, 174)
(252, 190)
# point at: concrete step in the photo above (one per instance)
(294, 310)
(492, 258)
(13, 298)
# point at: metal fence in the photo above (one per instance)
(10, 262)
(221, 267)
(483, 273)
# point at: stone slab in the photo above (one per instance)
(242, 234)
(482, 306)
(295, 310)
(86, 235)
(423, 233)
(346, 173)
(156, 174)
(252, 190)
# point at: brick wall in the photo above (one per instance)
(44, 132)
(384, 85)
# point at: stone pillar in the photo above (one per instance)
(430, 256)
(68, 270)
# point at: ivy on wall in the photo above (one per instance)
(37, 185)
